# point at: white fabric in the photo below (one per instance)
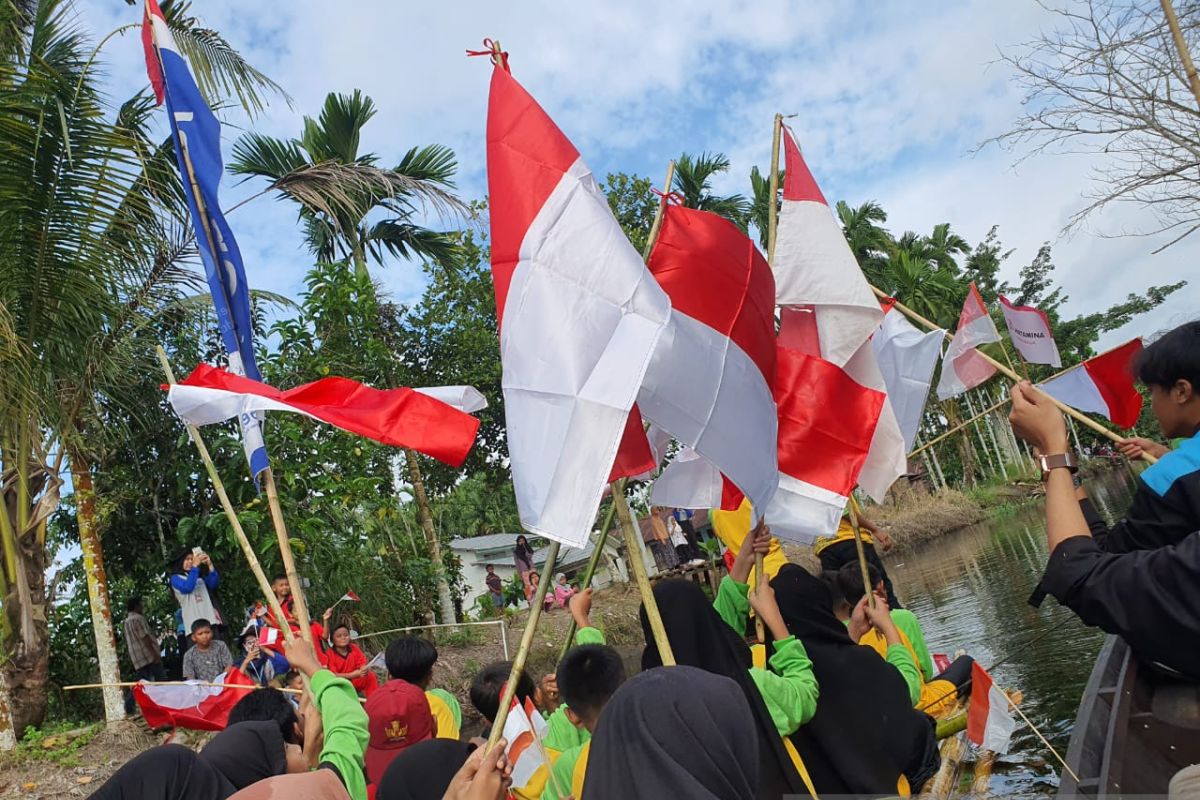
(581, 319)
(906, 358)
(979, 330)
(688, 482)
(887, 458)
(467, 399)
(1030, 333)
(705, 390)
(181, 696)
(524, 733)
(801, 512)
(660, 442)
(814, 265)
(998, 730)
(1076, 388)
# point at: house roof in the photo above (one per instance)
(491, 541)
(496, 549)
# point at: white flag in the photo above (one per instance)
(1029, 329)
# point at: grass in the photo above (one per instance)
(58, 743)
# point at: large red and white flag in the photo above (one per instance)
(1029, 329)
(710, 381)
(579, 316)
(963, 367)
(907, 358)
(405, 417)
(1102, 385)
(194, 705)
(989, 724)
(829, 309)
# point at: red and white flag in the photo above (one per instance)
(194, 705)
(710, 380)
(524, 729)
(348, 597)
(907, 358)
(989, 724)
(963, 367)
(1102, 385)
(405, 417)
(1029, 329)
(635, 456)
(826, 425)
(579, 316)
(829, 309)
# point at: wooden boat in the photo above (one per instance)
(1135, 729)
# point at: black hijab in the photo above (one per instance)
(423, 771)
(246, 752)
(700, 638)
(865, 733)
(169, 772)
(674, 732)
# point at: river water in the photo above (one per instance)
(970, 591)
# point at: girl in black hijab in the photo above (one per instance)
(700, 638)
(247, 752)
(169, 772)
(423, 771)
(865, 734)
(675, 732)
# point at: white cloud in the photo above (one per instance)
(890, 100)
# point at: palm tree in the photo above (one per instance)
(693, 182)
(351, 207)
(944, 245)
(92, 242)
(341, 194)
(760, 206)
(868, 239)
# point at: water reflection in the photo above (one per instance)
(970, 590)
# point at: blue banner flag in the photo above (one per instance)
(197, 136)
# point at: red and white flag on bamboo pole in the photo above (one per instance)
(1029, 329)
(579, 315)
(1102, 385)
(405, 417)
(710, 381)
(964, 368)
(194, 705)
(830, 311)
(990, 725)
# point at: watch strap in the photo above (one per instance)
(1053, 461)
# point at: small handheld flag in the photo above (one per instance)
(963, 368)
(1029, 329)
(349, 597)
(1102, 385)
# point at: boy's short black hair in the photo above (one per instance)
(1172, 357)
(849, 580)
(280, 577)
(290, 676)
(588, 676)
(338, 627)
(829, 577)
(410, 658)
(133, 604)
(200, 625)
(267, 705)
(489, 683)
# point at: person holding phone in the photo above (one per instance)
(193, 580)
(260, 664)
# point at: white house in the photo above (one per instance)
(477, 552)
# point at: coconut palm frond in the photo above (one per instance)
(403, 240)
(220, 71)
(203, 301)
(266, 157)
(335, 134)
(435, 163)
(347, 191)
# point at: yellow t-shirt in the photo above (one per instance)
(937, 696)
(580, 770)
(447, 721)
(731, 527)
(844, 532)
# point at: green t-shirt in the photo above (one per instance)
(345, 724)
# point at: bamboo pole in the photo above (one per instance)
(251, 557)
(590, 571)
(1008, 372)
(1184, 55)
(638, 567)
(656, 226)
(862, 552)
(126, 684)
(289, 561)
(535, 613)
(957, 428)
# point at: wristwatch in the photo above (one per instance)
(1066, 461)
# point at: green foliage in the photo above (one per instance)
(58, 743)
(693, 181)
(633, 203)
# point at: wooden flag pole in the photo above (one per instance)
(251, 558)
(590, 571)
(1063, 407)
(638, 567)
(959, 427)
(656, 226)
(854, 511)
(1184, 55)
(289, 561)
(535, 613)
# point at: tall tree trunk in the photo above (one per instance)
(431, 538)
(97, 586)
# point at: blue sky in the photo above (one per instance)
(891, 100)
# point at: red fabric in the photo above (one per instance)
(731, 495)
(634, 456)
(212, 714)
(398, 716)
(973, 307)
(977, 711)
(798, 181)
(1112, 372)
(714, 274)
(826, 421)
(798, 330)
(527, 156)
(970, 367)
(398, 417)
(153, 65)
(355, 659)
